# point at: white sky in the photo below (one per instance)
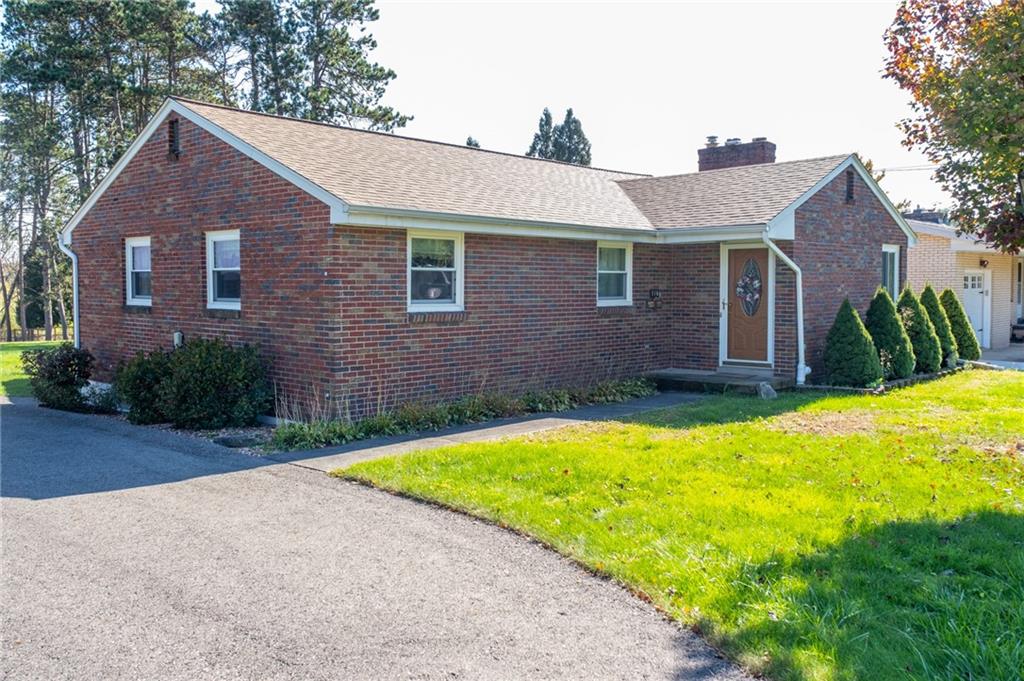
(650, 81)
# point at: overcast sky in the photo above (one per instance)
(650, 81)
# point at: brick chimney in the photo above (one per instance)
(735, 153)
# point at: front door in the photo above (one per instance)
(974, 297)
(747, 305)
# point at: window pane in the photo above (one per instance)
(432, 286)
(611, 259)
(611, 286)
(140, 258)
(225, 254)
(887, 272)
(227, 285)
(142, 285)
(433, 253)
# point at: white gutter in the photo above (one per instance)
(74, 284)
(801, 367)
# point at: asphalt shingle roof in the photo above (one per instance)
(382, 170)
(745, 195)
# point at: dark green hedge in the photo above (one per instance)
(895, 351)
(850, 355)
(947, 342)
(919, 327)
(960, 326)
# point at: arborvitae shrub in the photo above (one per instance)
(919, 327)
(850, 356)
(960, 326)
(891, 340)
(931, 304)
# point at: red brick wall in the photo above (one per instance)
(531, 320)
(289, 306)
(839, 249)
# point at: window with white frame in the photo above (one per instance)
(614, 274)
(138, 271)
(435, 271)
(223, 270)
(891, 269)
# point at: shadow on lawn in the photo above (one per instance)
(912, 599)
(728, 408)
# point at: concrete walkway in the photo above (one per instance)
(134, 552)
(1011, 357)
(332, 458)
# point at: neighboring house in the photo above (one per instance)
(374, 269)
(990, 284)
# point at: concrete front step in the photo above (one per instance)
(731, 379)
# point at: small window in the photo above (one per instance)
(891, 269)
(435, 272)
(850, 181)
(223, 270)
(614, 274)
(138, 269)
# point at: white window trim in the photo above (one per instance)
(211, 237)
(460, 272)
(614, 302)
(129, 292)
(894, 248)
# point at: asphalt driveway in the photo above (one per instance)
(134, 553)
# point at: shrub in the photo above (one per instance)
(891, 340)
(850, 356)
(102, 400)
(960, 326)
(947, 343)
(138, 381)
(927, 350)
(211, 384)
(57, 376)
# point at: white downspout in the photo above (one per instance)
(801, 367)
(74, 284)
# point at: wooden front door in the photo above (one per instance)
(747, 303)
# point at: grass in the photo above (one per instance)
(809, 537)
(13, 381)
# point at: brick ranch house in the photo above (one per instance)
(376, 269)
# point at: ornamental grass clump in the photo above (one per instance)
(895, 351)
(922, 333)
(850, 355)
(940, 320)
(960, 326)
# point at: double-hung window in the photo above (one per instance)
(138, 271)
(435, 272)
(614, 274)
(891, 269)
(223, 270)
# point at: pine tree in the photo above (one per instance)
(471, 142)
(850, 356)
(931, 304)
(891, 340)
(543, 139)
(922, 334)
(960, 326)
(569, 144)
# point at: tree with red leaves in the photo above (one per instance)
(962, 61)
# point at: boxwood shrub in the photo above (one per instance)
(58, 374)
(205, 384)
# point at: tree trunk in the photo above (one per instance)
(62, 308)
(5, 321)
(22, 304)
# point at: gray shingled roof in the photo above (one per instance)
(746, 195)
(389, 171)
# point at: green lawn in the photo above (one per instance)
(13, 381)
(810, 537)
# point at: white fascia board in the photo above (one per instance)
(968, 245)
(338, 207)
(395, 218)
(783, 225)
